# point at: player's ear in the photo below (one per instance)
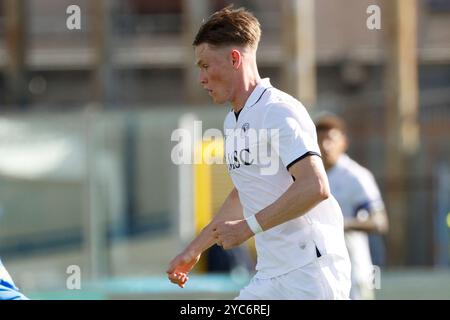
(236, 58)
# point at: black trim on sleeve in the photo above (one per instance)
(307, 154)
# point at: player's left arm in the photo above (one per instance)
(309, 189)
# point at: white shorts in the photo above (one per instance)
(326, 278)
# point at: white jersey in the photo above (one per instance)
(292, 244)
(357, 193)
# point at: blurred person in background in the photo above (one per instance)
(296, 222)
(356, 191)
(8, 290)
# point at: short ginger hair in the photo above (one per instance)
(230, 26)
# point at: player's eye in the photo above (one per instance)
(205, 66)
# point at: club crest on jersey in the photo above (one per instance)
(244, 129)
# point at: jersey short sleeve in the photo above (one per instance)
(293, 130)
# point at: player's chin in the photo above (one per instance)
(219, 101)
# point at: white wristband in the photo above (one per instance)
(254, 224)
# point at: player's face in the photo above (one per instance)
(215, 72)
(332, 144)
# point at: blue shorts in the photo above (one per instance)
(10, 292)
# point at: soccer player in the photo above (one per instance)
(296, 222)
(359, 197)
(8, 290)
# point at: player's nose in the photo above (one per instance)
(202, 78)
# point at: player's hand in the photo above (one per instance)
(180, 267)
(230, 234)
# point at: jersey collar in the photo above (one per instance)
(256, 95)
(257, 92)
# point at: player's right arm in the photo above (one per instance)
(180, 266)
(375, 221)
(370, 213)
